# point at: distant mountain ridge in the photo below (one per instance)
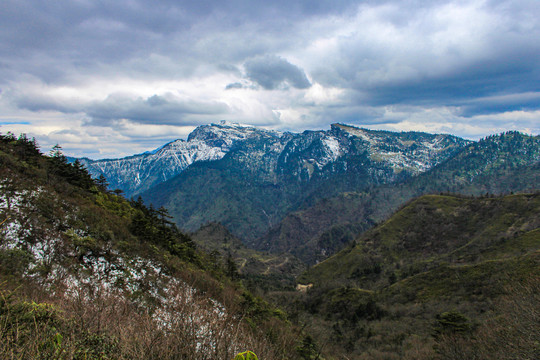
(311, 150)
(269, 188)
(263, 177)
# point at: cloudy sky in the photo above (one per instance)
(114, 78)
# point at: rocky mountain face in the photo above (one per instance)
(380, 152)
(137, 173)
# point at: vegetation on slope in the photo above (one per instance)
(260, 271)
(436, 280)
(87, 274)
(320, 230)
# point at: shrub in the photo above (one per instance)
(246, 355)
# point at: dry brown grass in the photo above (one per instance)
(108, 326)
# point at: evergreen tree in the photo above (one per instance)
(101, 182)
(230, 267)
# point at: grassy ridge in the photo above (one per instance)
(434, 229)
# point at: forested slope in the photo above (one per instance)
(500, 164)
(87, 274)
(444, 277)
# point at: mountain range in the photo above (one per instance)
(137, 173)
(274, 156)
(498, 164)
(288, 167)
(310, 193)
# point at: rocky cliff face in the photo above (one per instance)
(382, 154)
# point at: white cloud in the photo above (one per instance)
(320, 95)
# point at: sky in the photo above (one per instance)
(114, 78)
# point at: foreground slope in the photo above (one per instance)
(442, 276)
(500, 164)
(86, 274)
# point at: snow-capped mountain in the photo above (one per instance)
(328, 152)
(272, 154)
(248, 179)
(137, 173)
(266, 175)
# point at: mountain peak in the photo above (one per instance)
(226, 123)
(226, 133)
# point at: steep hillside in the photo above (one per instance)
(263, 178)
(434, 229)
(320, 230)
(443, 274)
(260, 271)
(497, 165)
(86, 274)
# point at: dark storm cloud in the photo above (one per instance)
(500, 104)
(39, 102)
(235, 85)
(153, 110)
(459, 88)
(63, 36)
(271, 72)
(439, 54)
(157, 109)
(64, 41)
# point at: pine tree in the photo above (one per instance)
(101, 182)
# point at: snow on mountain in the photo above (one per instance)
(225, 134)
(412, 151)
(272, 152)
(137, 173)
